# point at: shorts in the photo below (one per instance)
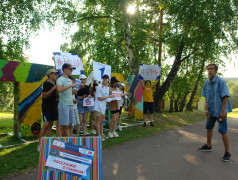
(148, 106)
(76, 116)
(91, 108)
(82, 109)
(222, 126)
(65, 113)
(49, 117)
(96, 113)
(120, 110)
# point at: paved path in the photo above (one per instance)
(170, 155)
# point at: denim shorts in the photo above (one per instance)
(91, 108)
(82, 109)
(65, 113)
(222, 126)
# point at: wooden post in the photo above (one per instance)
(16, 109)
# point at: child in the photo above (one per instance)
(114, 107)
(92, 90)
(122, 101)
(102, 93)
(83, 110)
(148, 100)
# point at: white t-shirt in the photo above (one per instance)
(122, 98)
(100, 106)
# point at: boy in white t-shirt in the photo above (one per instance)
(102, 93)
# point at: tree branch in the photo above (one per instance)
(186, 57)
(97, 17)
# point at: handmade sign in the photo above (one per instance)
(149, 72)
(117, 96)
(100, 69)
(78, 83)
(71, 158)
(73, 59)
(89, 79)
(88, 102)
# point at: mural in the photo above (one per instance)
(137, 98)
(14, 71)
(31, 76)
(30, 107)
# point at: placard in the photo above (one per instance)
(117, 97)
(88, 102)
(73, 59)
(70, 158)
(100, 69)
(149, 72)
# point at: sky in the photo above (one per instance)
(49, 41)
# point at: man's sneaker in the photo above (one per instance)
(226, 157)
(110, 135)
(104, 136)
(151, 124)
(205, 148)
(38, 148)
(93, 131)
(144, 124)
(120, 128)
(114, 133)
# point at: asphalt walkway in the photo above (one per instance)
(170, 155)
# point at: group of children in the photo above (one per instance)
(70, 110)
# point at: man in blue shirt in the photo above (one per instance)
(217, 105)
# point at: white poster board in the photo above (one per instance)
(89, 79)
(73, 59)
(117, 97)
(100, 69)
(149, 72)
(88, 102)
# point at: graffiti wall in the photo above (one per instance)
(137, 98)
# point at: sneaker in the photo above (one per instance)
(114, 133)
(38, 148)
(110, 135)
(120, 128)
(144, 124)
(205, 148)
(103, 139)
(226, 157)
(151, 124)
(93, 131)
(104, 136)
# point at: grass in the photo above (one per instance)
(6, 122)
(233, 114)
(24, 158)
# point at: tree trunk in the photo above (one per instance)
(176, 109)
(183, 102)
(173, 72)
(190, 102)
(130, 51)
(171, 108)
(16, 109)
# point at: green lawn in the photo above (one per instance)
(6, 122)
(24, 157)
(233, 114)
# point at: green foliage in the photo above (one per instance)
(233, 90)
(6, 96)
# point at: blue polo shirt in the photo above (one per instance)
(214, 91)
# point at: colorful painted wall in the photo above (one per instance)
(31, 76)
(137, 98)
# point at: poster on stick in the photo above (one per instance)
(73, 59)
(100, 69)
(70, 158)
(149, 72)
(88, 102)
